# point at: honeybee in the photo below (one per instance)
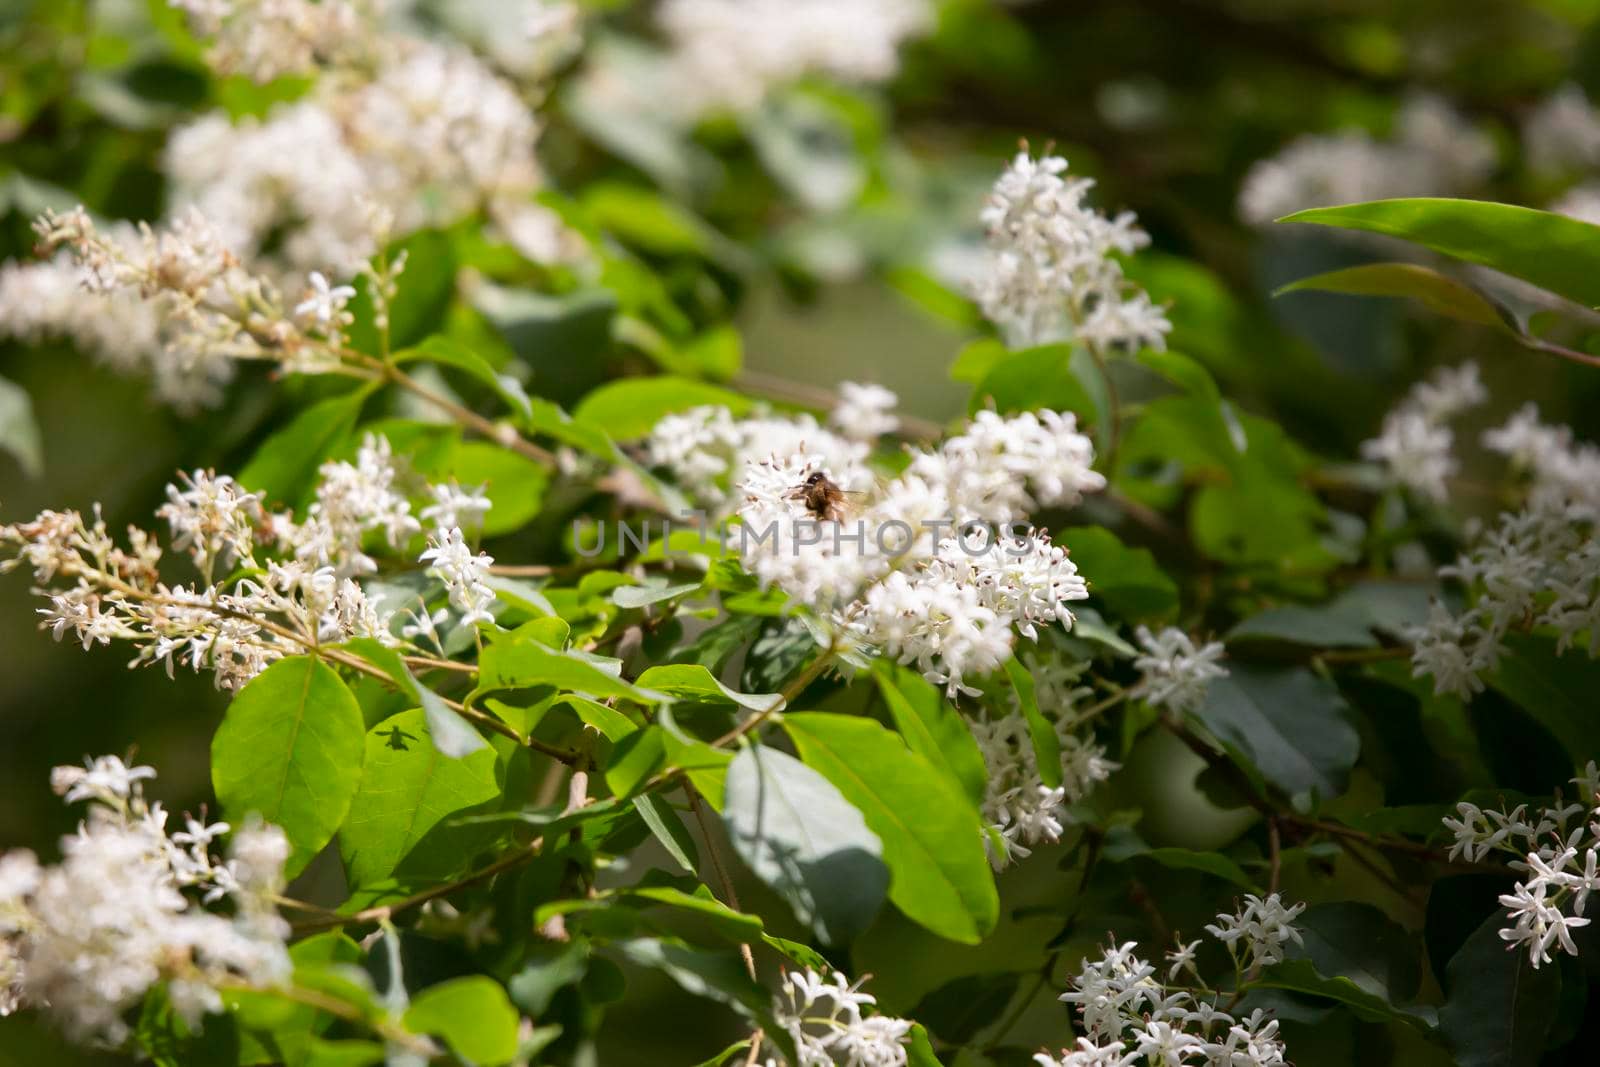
(823, 499)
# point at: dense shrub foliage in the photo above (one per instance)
(1221, 686)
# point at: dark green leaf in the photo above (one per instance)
(1031, 379)
(1558, 691)
(1292, 726)
(452, 353)
(1498, 1007)
(669, 830)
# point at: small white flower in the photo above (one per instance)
(1174, 672)
(463, 572)
(323, 304)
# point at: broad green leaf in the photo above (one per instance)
(639, 596)
(932, 728)
(422, 295)
(692, 682)
(1031, 379)
(977, 358)
(344, 1053)
(513, 664)
(285, 465)
(1124, 579)
(514, 484)
(1354, 954)
(1498, 1008)
(1183, 371)
(628, 409)
(669, 830)
(275, 1029)
(1042, 732)
(1554, 252)
(1123, 844)
(548, 419)
(1322, 626)
(564, 338)
(19, 430)
(648, 220)
(718, 976)
(452, 353)
(736, 926)
(290, 749)
(1557, 691)
(407, 788)
(932, 839)
(449, 732)
(548, 968)
(1440, 294)
(792, 828)
(473, 1015)
(1292, 726)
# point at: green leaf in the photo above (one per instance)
(407, 788)
(285, 465)
(1554, 252)
(1124, 579)
(1440, 294)
(473, 1015)
(1498, 1008)
(628, 409)
(932, 838)
(19, 430)
(649, 221)
(800, 836)
(692, 682)
(512, 664)
(640, 596)
(1031, 379)
(1356, 955)
(718, 976)
(669, 831)
(449, 732)
(932, 728)
(1046, 743)
(422, 293)
(515, 484)
(1292, 726)
(977, 358)
(920, 1052)
(1322, 626)
(736, 926)
(1557, 691)
(452, 353)
(1123, 844)
(290, 749)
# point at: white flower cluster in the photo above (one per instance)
(1052, 271)
(706, 449)
(1560, 863)
(1433, 152)
(727, 54)
(1131, 1016)
(1416, 443)
(909, 574)
(404, 133)
(1562, 134)
(824, 1016)
(1536, 567)
(237, 626)
(86, 939)
(1173, 672)
(1017, 806)
(268, 39)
